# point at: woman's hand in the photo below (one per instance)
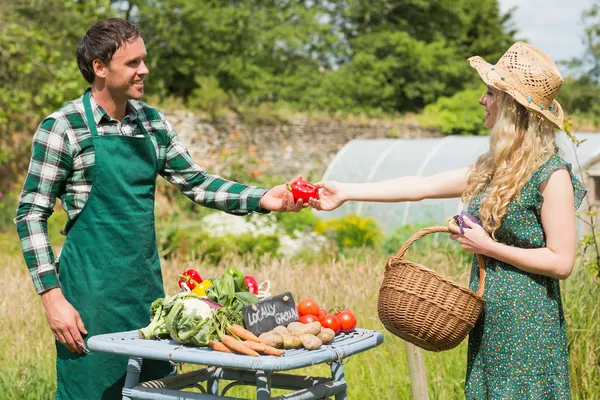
(330, 196)
(474, 240)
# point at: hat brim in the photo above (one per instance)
(553, 113)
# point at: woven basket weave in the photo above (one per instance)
(424, 308)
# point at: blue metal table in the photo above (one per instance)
(261, 372)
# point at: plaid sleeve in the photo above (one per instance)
(205, 189)
(48, 169)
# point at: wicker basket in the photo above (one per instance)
(424, 308)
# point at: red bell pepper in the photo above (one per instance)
(251, 284)
(303, 190)
(189, 278)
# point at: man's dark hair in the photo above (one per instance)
(101, 42)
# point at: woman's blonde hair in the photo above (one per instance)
(520, 142)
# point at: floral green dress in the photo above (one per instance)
(518, 347)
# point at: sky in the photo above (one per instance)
(554, 26)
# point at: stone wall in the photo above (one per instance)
(300, 145)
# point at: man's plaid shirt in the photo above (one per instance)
(62, 166)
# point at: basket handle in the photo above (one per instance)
(441, 229)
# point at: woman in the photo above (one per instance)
(525, 196)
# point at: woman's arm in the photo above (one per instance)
(559, 223)
(407, 188)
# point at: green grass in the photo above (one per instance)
(27, 346)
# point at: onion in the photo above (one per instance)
(212, 304)
(462, 224)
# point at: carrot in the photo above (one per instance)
(243, 333)
(263, 348)
(218, 346)
(237, 346)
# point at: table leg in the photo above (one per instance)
(263, 385)
(212, 383)
(134, 367)
(337, 374)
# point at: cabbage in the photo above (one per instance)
(188, 320)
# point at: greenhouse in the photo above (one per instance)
(368, 160)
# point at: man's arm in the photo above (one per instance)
(48, 170)
(50, 165)
(208, 190)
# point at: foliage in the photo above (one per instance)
(209, 97)
(28, 363)
(186, 244)
(251, 47)
(458, 114)
(589, 64)
(394, 241)
(404, 55)
(302, 221)
(264, 114)
(580, 92)
(351, 231)
(580, 96)
(38, 72)
(590, 248)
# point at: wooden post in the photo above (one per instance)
(417, 371)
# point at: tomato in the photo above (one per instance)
(308, 318)
(303, 190)
(347, 321)
(321, 313)
(337, 314)
(308, 306)
(330, 321)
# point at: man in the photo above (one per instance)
(101, 154)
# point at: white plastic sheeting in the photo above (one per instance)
(379, 159)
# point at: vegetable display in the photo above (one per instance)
(210, 313)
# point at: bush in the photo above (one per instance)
(188, 245)
(209, 97)
(460, 114)
(265, 114)
(351, 231)
(302, 221)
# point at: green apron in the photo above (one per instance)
(109, 268)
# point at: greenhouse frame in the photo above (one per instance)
(369, 160)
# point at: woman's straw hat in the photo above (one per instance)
(529, 76)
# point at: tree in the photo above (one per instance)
(405, 54)
(38, 71)
(257, 50)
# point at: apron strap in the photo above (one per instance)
(89, 115)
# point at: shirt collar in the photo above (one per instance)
(101, 114)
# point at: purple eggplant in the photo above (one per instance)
(459, 219)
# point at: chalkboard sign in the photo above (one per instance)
(268, 313)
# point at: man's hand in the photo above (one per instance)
(279, 198)
(64, 320)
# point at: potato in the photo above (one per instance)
(272, 339)
(310, 342)
(298, 328)
(281, 330)
(291, 342)
(326, 335)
